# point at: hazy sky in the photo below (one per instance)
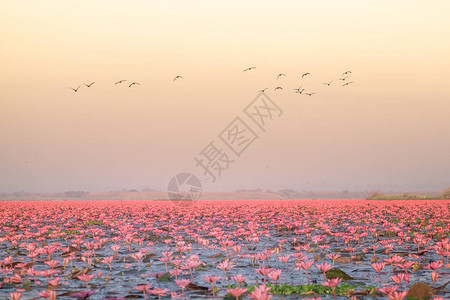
(388, 130)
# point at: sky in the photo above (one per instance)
(388, 130)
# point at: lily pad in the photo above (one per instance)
(420, 290)
(338, 273)
(164, 278)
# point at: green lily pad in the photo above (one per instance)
(338, 273)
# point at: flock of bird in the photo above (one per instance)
(299, 90)
(119, 82)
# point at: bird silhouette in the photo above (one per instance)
(347, 83)
(281, 74)
(278, 88)
(298, 90)
(343, 78)
(262, 91)
(248, 69)
(134, 83)
(178, 76)
(76, 90)
(346, 72)
(328, 83)
(305, 74)
(120, 81)
(309, 94)
(88, 85)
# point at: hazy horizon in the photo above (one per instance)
(389, 130)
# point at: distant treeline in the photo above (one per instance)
(377, 195)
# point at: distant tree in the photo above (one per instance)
(374, 195)
(446, 194)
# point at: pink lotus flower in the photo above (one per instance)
(237, 292)
(238, 278)
(324, 267)
(159, 292)
(333, 257)
(284, 259)
(15, 295)
(54, 282)
(305, 265)
(260, 293)
(182, 283)
(264, 272)
(108, 260)
(378, 267)
(388, 289)
(397, 296)
(275, 275)
(434, 266)
(175, 273)
(225, 266)
(138, 256)
(82, 295)
(48, 294)
(86, 278)
(332, 283)
(405, 265)
(434, 276)
(145, 289)
(16, 279)
(212, 279)
(398, 278)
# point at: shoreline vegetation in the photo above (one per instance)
(242, 194)
(377, 195)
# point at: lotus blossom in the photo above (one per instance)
(15, 295)
(237, 292)
(324, 267)
(238, 278)
(144, 288)
(397, 296)
(332, 283)
(83, 294)
(212, 280)
(159, 292)
(260, 293)
(378, 267)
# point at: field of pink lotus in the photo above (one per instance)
(328, 249)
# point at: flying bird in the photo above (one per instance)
(134, 83)
(309, 94)
(278, 88)
(76, 90)
(347, 83)
(281, 74)
(88, 85)
(178, 76)
(328, 83)
(262, 91)
(120, 81)
(306, 74)
(343, 78)
(248, 69)
(347, 72)
(298, 90)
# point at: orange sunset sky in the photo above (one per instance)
(388, 130)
